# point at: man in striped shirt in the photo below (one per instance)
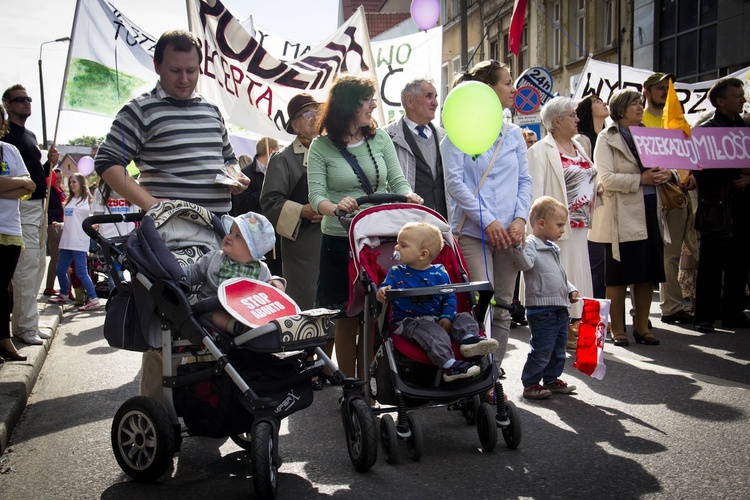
(177, 139)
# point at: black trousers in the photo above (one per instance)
(722, 274)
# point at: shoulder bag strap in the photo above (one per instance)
(484, 176)
(357, 169)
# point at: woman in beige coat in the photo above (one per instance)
(628, 218)
(560, 168)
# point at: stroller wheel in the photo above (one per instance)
(470, 409)
(414, 443)
(389, 439)
(486, 427)
(512, 431)
(361, 434)
(263, 467)
(243, 440)
(143, 439)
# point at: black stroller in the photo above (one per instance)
(401, 377)
(213, 384)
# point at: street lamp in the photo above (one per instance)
(41, 89)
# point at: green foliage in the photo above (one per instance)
(86, 140)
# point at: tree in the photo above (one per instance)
(86, 140)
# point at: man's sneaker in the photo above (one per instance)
(460, 369)
(43, 335)
(559, 387)
(478, 346)
(58, 299)
(536, 391)
(90, 305)
(30, 337)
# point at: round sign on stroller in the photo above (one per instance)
(254, 302)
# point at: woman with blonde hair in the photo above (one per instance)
(74, 243)
(628, 219)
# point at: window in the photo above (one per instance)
(553, 47)
(455, 9)
(578, 29)
(608, 23)
(523, 53)
(687, 38)
(494, 54)
(456, 65)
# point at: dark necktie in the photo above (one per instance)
(420, 131)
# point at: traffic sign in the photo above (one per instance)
(539, 79)
(254, 302)
(527, 100)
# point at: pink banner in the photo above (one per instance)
(710, 147)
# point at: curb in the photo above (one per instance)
(17, 378)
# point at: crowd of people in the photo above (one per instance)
(576, 203)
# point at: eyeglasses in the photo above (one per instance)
(493, 65)
(21, 99)
(371, 100)
(310, 114)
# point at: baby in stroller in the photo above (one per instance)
(248, 238)
(433, 322)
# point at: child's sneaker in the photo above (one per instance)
(559, 387)
(58, 299)
(460, 369)
(478, 346)
(536, 391)
(91, 304)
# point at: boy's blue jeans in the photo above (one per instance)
(549, 334)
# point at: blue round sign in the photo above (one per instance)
(527, 100)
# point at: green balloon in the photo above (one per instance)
(472, 117)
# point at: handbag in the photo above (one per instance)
(672, 196)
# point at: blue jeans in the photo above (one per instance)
(82, 271)
(549, 334)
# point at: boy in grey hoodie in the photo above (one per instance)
(548, 296)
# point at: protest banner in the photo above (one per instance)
(251, 87)
(709, 147)
(110, 61)
(600, 78)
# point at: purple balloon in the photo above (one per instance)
(86, 165)
(425, 13)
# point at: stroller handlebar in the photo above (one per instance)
(484, 289)
(107, 219)
(381, 198)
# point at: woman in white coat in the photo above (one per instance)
(560, 168)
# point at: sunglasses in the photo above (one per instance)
(21, 99)
(493, 65)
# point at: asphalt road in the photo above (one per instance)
(666, 422)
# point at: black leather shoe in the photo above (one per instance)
(317, 385)
(682, 317)
(705, 327)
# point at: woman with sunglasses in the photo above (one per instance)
(351, 140)
(15, 182)
(489, 215)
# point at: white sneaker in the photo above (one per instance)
(43, 335)
(91, 304)
(30, 337)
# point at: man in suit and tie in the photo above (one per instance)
(417, 142)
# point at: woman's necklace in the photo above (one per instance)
(570, 150)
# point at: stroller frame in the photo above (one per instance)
(145, 435)
(403, 397)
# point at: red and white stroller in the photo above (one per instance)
(401, 378)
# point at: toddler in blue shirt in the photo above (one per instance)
(432, 323)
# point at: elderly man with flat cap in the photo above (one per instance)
(680, 221)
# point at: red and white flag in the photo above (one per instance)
(516, 26)
(591, 336)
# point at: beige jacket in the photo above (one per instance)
(547, 178)
(621, 215)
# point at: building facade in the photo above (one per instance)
(695, 39)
